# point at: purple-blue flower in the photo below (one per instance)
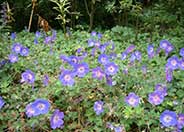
(28, 76)
(98, 107)
(144, 69)
(162, 89)
(38, 107)
(42, 106)
(24, 51)
(132, 99)
(13, 58)
(35, 41)
(73, 60)
(93, 33)
(81, 69)
(37, 34)
(56, 120)
(118, 129)
(130, 49)
(98, 73)
(182, 52)
(132, 57)
(138, 55)
(181, 64)
(16, 48)
(31, 110)
(91, 42)
(168, 74)
(155, 98)
(150, 51)
(168, 118)
(180, 123)
(173, 62)
(67, 78)
(46, 80)
(169, 48)
(1, 102)
(164, 44)
(13, 36)
(111, 68)
(123, 55)
(103, 59)
(109, 80)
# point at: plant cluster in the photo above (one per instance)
(91, 82)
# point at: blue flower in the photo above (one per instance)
(182, 52)
(138, 55)
(150, 51)
(41, 106)
(98, 107)
(56, 120)
(123, 55)
(91, 42)
(180, 123)
(81, 69)
(155, 98)
(164, 44)
(46, 80)
(168, 74)
(173, 63)
(31, 110)
(130, 49)
(24, 51)
(13, 36)
(1, 102)
(103, 59)
(111, 68)
(13, 58)
(67, 78)
(16, 48)
(98, 73)
(132, 99)
(37, 34)
(28, 76)
(181, 64)
(93, 33)
(168, 118)
(132, 57)
(161, 89)
(73, 60)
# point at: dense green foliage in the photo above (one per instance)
(77, 101)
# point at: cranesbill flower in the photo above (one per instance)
(56, 120)
(64, 58)
(180, 123)
(1, 102)
(111, 68)
(46, 80)
(123, 55)
(42, 106)
(169, 48)
(118, 129)
(103, 59)
(132, 57)
(67, 78)
(109, 80)
(155, 98)
(130, 49)
(24, 51)
(91, 42)
(168, 118)
(48, 39)
(13, 36)
(150, 51)
(98, 107)
(16, 48)
(144, 69)
(132, 99)
(99, 35)
(93, 33)
(35, 41)
(164, 44)
(98, 73)
(28, 76)
(182, 52)
(81, 69)
(173, 63)
(169, 74)
(181, 64)
(13, 58)
(31, 110)
(73, 60)
(138, 55)
(161, 89)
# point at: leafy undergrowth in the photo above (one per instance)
(91, 82)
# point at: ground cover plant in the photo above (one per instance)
(91, 82)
